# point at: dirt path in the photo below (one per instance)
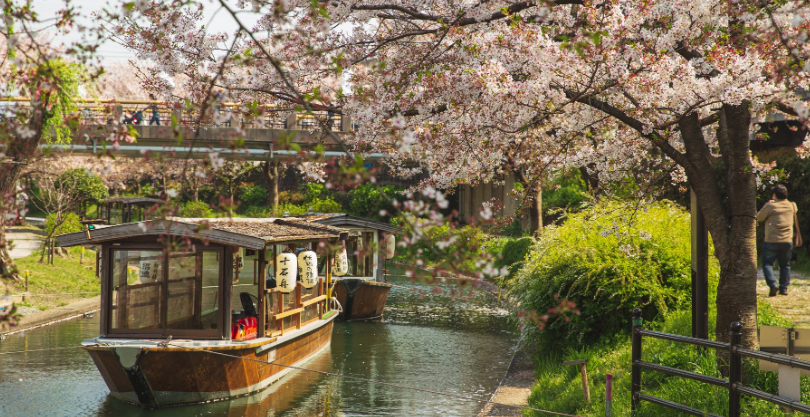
(25, 240)
(796, 306)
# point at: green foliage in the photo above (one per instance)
(461, 247)
(68, 77)
(253, 195)
(514, 254)
(559, 387)
(567, 191)
(70, 223)
(313, 191)
(196, 209)
(65, 276)
(608, 260)
(88, 185)
(325, 206)
(368, 200)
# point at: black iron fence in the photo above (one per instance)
(733, 384)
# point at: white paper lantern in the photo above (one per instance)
(390, 246)
(308, 268)
(287, 266)
(341, 263)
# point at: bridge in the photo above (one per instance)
(229, 130)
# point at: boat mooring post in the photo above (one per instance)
(609, 395)
(700, 270)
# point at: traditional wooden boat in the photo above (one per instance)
(362, 291)
(190, 309)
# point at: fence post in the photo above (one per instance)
(735, 371)
(609, 395)
(635, 381)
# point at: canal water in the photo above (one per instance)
(430, 338)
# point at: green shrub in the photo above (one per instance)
(608, 260)
(196, 209)
(88, 185)
(258, 212)
(253, 195)
(325, 206)
(567, 191)
(313, 191)
(514, 254)
(290, 209)
(368, 200)
(71, 223)
(468, 244)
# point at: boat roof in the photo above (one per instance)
(135, 200)
(345, 220)
(250, 233)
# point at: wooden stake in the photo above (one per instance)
(586, 391)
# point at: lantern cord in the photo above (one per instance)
(372, 381)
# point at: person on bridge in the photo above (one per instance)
(779, 216)
(155, 115)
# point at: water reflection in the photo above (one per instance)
(431, 340)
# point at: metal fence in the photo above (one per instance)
(98, 112)
(734, 382)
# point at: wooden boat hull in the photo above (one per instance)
(361, 299)
(154, 376)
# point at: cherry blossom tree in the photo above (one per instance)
(657, 91)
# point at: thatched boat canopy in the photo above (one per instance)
(247, 233)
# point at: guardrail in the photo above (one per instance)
(733, 384)
(227, 114)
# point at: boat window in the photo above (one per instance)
(246, 281)
(147, 298)
(137, 290)
(361, 255)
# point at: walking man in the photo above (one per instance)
(779, 216)
(155, 115)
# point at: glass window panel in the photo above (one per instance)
(210, 289)
(137, 290)
(247, 281)
(183, 311)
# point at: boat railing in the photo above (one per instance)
(289, 311)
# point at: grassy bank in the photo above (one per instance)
(559, 388)
(67, 277)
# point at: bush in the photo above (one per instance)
(469, 244)
(325, 206)
(608, 260)
(253, 195)
(313, 191)
(566, 192)
(71, 224)
(292, 197)
(196, 209)
(368, 200)
(88, 185)
(514, 254)
(258, 212)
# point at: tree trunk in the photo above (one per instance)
(730, 218)
(271, 175)
(536, 213)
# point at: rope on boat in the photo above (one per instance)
(357, 378)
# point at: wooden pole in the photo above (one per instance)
(586, 391)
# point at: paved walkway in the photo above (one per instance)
(25, 240)
(515, 386)
(796, 306)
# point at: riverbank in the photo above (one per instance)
(515, 387)
(54, 315)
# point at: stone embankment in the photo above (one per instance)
(54, 315)
(515, 386)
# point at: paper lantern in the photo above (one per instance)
(287, 266)
(308, 268)
(390, 246)
(341, 263)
